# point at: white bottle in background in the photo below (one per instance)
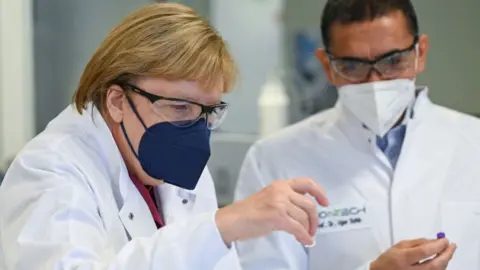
(273, 105)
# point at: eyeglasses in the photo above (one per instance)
(389, 65)
(184, 113)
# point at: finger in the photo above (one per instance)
(418, 253)
(442, 260)
(309, 208)
(296, 229)
(307, 185)
(299, 215)
(412, 243)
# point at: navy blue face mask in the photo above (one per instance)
(176, 155)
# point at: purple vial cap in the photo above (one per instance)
(440, 235)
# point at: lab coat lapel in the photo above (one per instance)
(427, 151)
(134, 212)
(177, 203)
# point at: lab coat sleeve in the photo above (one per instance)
(277, 251)
(50, 220)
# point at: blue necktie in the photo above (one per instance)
(391, 143)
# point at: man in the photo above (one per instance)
(396, 168)
(118, 180)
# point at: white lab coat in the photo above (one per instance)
(67, 202)
(435, 187)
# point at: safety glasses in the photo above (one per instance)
(389, 65)
(184, 113)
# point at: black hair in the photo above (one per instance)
(351, 11)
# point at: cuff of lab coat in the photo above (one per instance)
(208, 247)
(216, 247)
(219, 239)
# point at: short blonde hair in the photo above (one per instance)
(165, 40)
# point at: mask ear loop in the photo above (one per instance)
(130, 102)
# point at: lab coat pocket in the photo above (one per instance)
(345, 238)
(461, 223)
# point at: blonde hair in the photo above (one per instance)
(165, 40)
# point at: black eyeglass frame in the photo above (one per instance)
(206, 109)
(332, 59)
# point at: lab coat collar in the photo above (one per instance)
(364, 139)
(134, 212)
(113, 158)
(177, 203)
(427, 133)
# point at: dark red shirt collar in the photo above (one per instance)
(148, 194)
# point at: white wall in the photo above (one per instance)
(16, 77)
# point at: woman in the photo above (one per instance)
(119, 181)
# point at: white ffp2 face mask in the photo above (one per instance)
(378, 105)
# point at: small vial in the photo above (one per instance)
(440, 235)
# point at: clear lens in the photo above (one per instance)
(396, 64)
(185, 114)
(388, 67)
(179, 113)
(351, 70)
(217, 116)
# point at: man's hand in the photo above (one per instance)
(406, 255)
(280, 206)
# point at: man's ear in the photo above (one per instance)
(323, 58)
(115, 101)
(423, 46)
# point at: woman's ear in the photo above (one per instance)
(115, 101)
